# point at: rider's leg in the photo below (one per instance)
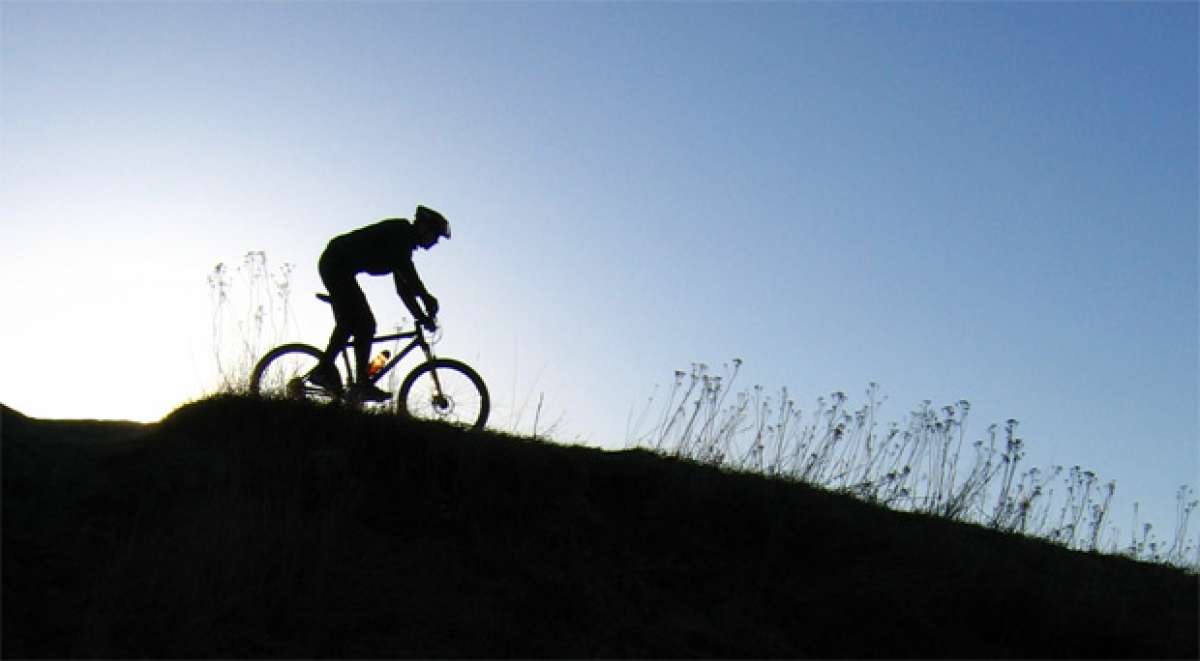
(349, 307)
(364, 332)
(337, 340)
(354, 318)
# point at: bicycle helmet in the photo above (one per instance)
(427, 215)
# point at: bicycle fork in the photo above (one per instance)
(439, 398)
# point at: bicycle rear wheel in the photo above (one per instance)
(283, 373)
(445, 390)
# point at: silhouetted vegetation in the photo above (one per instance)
(251, 312)
(917, 466)
(247, 528)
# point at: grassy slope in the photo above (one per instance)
(241, 528)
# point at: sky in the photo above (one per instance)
(994, 202)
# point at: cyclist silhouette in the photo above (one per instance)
(379, 249)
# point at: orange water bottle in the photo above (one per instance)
(378, 362)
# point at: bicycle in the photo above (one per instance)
(440, 389)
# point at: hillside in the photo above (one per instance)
(243, 528)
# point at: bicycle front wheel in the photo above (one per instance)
(283, 374)
(445, 390)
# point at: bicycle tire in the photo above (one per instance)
(465, 404)
(281, 374)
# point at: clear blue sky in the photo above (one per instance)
(991, 202)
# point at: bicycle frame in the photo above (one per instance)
(421, 394)
(418, 340)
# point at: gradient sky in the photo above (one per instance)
(991, 202)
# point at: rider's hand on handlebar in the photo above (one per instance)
(431, 306)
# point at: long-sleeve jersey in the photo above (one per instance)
(378, 249)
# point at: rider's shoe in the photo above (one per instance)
(326, 378)
(369, 392)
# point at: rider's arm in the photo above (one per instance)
(409, 287)
(407, 279)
